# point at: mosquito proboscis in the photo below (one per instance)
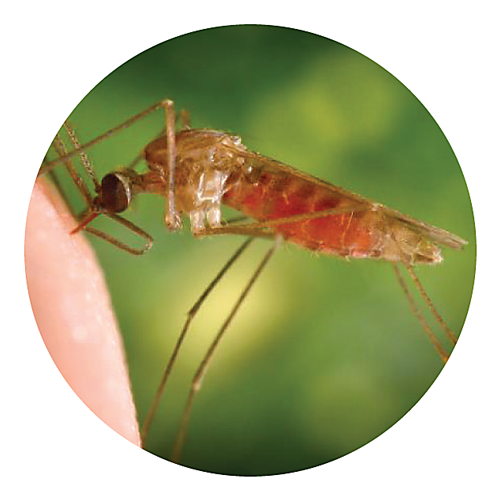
(198, 170)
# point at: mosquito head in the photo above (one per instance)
(114, 195)
(116, 192)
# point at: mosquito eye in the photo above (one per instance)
(115, 193)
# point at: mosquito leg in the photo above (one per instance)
(429, 303)
(186, 124)
(203, 367)
(47, 166)
(55, 181)
(270, 223)
(57, 184)
(190, 316)
(264, 229)
(119, 244)
(439, 348)
(173, 218)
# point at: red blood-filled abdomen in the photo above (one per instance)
(350, 233)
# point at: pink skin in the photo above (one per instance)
(73, 311)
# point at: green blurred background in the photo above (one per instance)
(325, 354)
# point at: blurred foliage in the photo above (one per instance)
(325, 354)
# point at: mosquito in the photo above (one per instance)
(199, 170)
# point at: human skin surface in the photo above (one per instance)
(74, 314)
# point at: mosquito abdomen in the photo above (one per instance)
(360, 229)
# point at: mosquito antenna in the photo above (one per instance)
(429, 303)
(190, 316)
(416, 311)
(77, 180)
(83, 156)
(202, 369)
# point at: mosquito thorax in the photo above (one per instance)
(116, 192)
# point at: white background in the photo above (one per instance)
(445, 52)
